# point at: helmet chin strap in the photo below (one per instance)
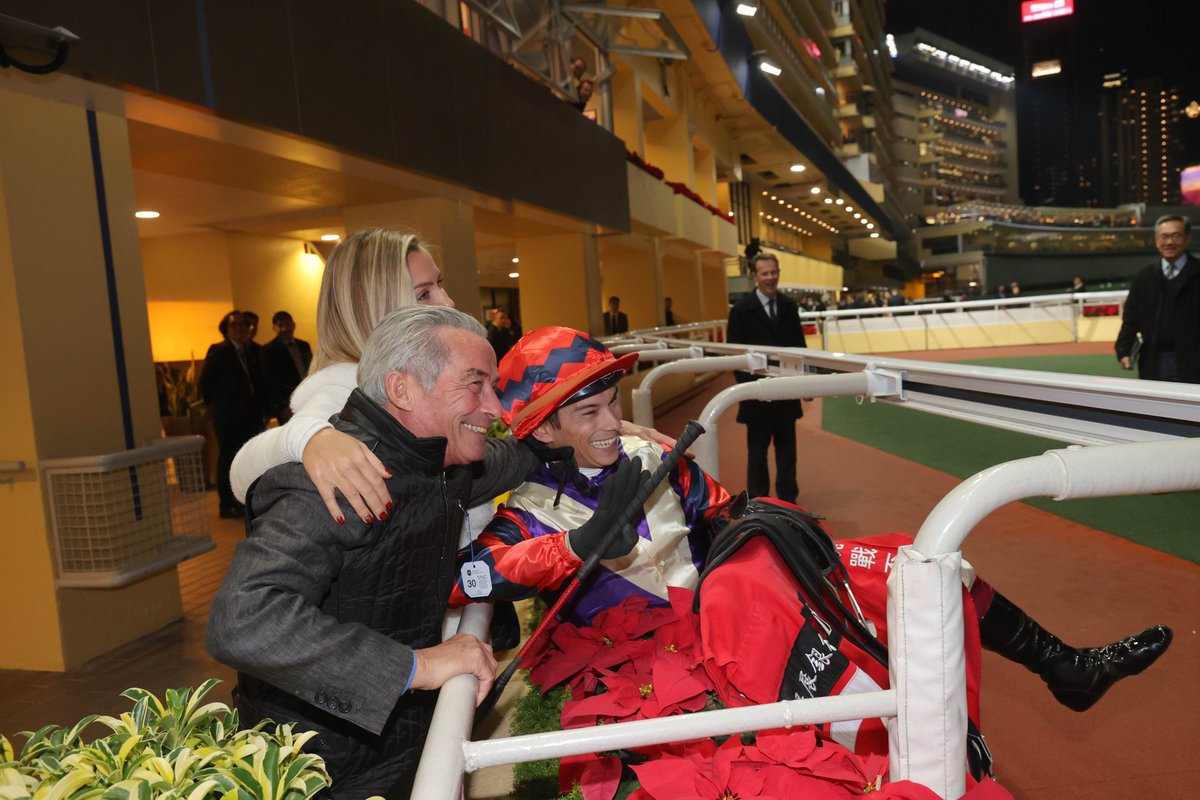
(561, 461)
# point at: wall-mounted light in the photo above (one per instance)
(769, 68)
(146, 214)
(747, 10)
(330, 237)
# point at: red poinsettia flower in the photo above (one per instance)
(665, 688)
(800, 750)
(677, 630)
(598, 776)
(611, 639)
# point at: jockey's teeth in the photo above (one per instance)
(604, 443)
(475, 428)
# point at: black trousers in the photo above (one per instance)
(759, 434)
(230, 439)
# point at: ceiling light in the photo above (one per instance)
(329, 237)
(747, 10)
(798, 168)
(840, 201)
(848, 209)
(829, 201)
(874, 235)
(146, 214)
(815, 190)
(769, 68)
(870, 225)
(514, 274)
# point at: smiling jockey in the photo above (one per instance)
(558, 388)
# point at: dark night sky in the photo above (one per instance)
(1148, 37)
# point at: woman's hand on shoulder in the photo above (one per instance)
(649, 434)
(337, 462)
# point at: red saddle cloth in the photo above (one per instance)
(762, 642)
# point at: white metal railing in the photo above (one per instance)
(926, 706)
(120, 517)
(1073, 409)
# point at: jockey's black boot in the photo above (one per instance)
(1077, 677)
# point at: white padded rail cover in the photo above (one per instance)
(927, 741)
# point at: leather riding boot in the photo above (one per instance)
(1077, 677)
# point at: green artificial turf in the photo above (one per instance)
(1166, 522)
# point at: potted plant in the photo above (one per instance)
(179, 399)
(178, 748)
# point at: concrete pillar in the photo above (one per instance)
(77, 376)
(448, 225)
(560, 282)
(634, 275)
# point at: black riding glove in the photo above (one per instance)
(619, 492)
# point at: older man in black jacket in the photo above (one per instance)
(336, 624)
(767, 317)
(1163, 307)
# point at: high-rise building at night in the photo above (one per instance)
(1058, 138)
(1141, 142)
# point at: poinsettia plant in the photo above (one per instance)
(640, 662)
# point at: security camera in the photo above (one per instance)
(17, 33)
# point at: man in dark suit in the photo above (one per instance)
(1163, 307)
(767, 317)
(285, 361)
(615, 321)
(232, 390)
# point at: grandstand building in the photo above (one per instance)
(254, 136)
(960, 125)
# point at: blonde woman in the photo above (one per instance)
(369, 274)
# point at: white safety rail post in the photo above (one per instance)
(693, 362)
(443, 761)
(870, 382)
(927, 649)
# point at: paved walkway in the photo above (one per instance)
(1087, 586)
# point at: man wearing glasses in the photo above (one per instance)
(1160, 330)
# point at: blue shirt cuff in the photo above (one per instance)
(411, 674)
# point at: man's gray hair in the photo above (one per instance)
(409, 340)
(1187, 223)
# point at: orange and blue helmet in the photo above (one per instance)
(552, 367)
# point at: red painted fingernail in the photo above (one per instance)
(389, 473)
(341, 520)
(368, 519)
(389, 505)
(383, 515)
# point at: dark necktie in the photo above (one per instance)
(771, 309)
(294, 352)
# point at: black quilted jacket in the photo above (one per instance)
(321, 619)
